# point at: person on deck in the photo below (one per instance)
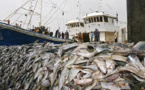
(82, 38)
(51, 33)
(59, 34)
(8, 21)
(79, 36)
(92, 35)
(96, 34)
(115, 36)
(62, 35)
(56, 33)
(66, 35)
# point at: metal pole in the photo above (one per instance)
(40, 15)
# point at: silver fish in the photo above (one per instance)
(87, 72)
(98, 75)
(83, 81)
(73, 73)
(110, 86)
(139, 47)
(92, 67)
(138, 78)
(124, 85)
(80, 46)
(101, 64)
(87, 55)
(63, 77)
(45, 83)
(135, 60)
(90, 87)
(55, 71)
(119, 58)
(110, 65)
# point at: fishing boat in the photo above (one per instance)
(11, 34)
(104, 22)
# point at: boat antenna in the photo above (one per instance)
(79, 8)
(117, 17)
(100, 5)
(8, 17)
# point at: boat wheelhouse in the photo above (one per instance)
(74, 27)
(103, 22)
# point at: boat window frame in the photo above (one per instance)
(92, 19)
(82, 24)
(95, 19)
(106, 19)
(98, 19)
(89, 20)
(101, 18)
(77, 24)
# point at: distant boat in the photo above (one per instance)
(15, 35)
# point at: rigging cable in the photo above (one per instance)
(25, 19)
(62, 15)
(56, 5)
(11, 15)
(47, 14)
(18, 18)
(54, 13)
(57, 16)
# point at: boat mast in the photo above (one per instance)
(79, 9)
(31, 13)
(29, 23)
(40, 14)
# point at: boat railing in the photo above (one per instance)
(9, 25)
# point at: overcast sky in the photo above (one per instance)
(71, 8)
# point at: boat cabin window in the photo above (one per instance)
(82, 25)
(105, 19)
(86, 20)
(68, 26)
(101, 19)
(95, 19)
(89, 20)
(75, 25)
(98, 20)
(71, 25)
(112, 20)
(92, 19)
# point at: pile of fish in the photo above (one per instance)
(75, 66)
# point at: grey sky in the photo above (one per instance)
(71, 8)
